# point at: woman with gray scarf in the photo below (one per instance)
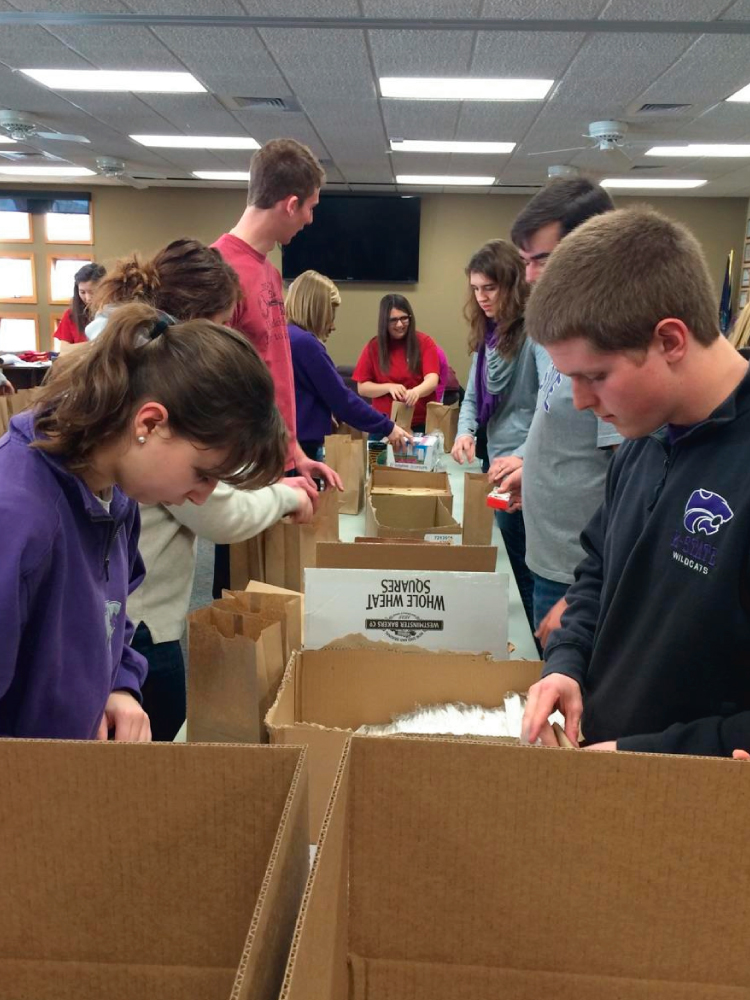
(503, 383)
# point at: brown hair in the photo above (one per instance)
(567, 200)
(78, 308)
(217, 392)
(499, 261)
(311, 303)
(617, 276)
(413, 353)
(280, 169)
(186, 279)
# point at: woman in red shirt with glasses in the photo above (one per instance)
(400, 363)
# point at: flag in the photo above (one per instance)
(725, 306)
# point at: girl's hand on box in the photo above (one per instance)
(124, 715)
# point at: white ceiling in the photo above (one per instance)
(607, 59)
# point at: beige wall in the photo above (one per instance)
(453, 227)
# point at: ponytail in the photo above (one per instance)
(216, 390)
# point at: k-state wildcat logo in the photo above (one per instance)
(706, 512)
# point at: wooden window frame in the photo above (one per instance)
(51, 257)
(22, 255)
(33, 315)
(70, 243)
(24, 242)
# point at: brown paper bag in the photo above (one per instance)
(235, 667)
(283, 608)
(477, 524)
(353, 433)
(444, 419)
(281, 554)
(348, 457)
(290, 548)
(21, 400)
(402, 414)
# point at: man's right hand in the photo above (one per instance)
(555, 691)
(512, 484)
(464, 448)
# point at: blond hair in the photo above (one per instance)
(613, 279)
(311, 301)
(740, 335)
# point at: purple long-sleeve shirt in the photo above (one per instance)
(67, 566)
(320, 391)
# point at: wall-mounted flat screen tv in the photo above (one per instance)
(359, 238)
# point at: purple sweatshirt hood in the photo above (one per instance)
(67, 567)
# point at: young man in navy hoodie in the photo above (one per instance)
(652, 651)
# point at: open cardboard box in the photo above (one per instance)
(460, 870)
(167, 871)
(386, 481)
(328, 693)
(416, 517)
(404, 554)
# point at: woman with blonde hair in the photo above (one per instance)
(320, 391)
(503, 383)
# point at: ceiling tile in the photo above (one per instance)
(663, 10)
(421, 53)
(118, 46)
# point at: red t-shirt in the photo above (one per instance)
(68, 331)
(261, 318)
(368, 370)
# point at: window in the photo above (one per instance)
(17, 279)
(15, 227)
(62, 270)
(64, 227)
(19, 332)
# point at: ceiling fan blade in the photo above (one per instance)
(569, 149)
(617, 156)
(61, 137)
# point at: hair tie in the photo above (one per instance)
(163, 321)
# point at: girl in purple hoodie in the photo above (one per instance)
(153, 411)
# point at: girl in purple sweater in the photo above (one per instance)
(152, 412)
(319, 390)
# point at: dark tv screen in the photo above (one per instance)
(358, 238)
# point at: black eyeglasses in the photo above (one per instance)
(400, 319)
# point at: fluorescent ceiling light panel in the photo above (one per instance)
(47, 171)
(653, 182)
(434, 88)
(444, 180)
(221, 175)
(437, 146)
(133, 81)
(6, 138)
(741, 95)
(197, 141)
(701, 149)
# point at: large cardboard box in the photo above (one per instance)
(459, 612)
(168, 871)
(403, 554)
(459, 870)
(386, 481)
(328, 693)
(415, 517)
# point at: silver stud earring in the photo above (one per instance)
(141, 439)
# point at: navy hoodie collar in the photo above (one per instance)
(22, 430)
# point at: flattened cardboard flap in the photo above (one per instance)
(407, 555)
(608, 865)
(121, 866)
